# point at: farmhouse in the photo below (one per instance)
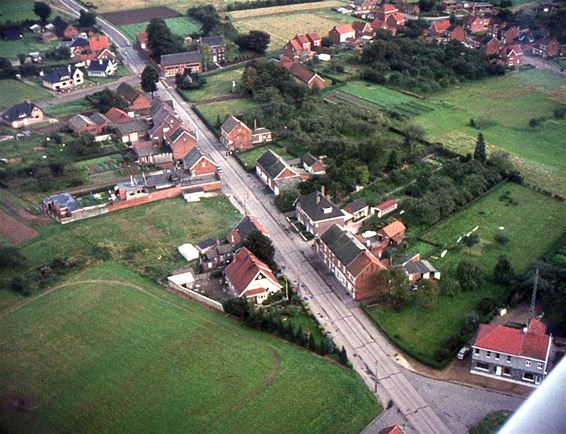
(312, 165)
(356, 210)
(317, 213)
(385, 208)
(22, 115)
(251, 278)
(511, 354)
(178, 63)
(101, 68)
(235, 134)
(217, 47)
(136, 100)
(355, 267)
(276, 173)
(342, 33)
(63, 78)
(246, 226)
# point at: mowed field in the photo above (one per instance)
(15, 91)
(219, 111)
(26, 45)
(181, 26)
(532, 224)
(16, 10)
(109, 351)
(283, 22)
(217, 85)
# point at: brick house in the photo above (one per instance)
(363, 28)
(136, 100)
(342, 33)
(117, 116)
(250, 277)
(356, 210)
(382, 12)
(449, 6)
(440, 27)
(348, 259)
(214, 255)
(131, 132)
(393, 232)
(315, 40)
(246, 226)
(198, 164)
(511, 354)
(235, 135)
(317, 213)
(457, 33)
(493, 47)
(141, 39)
(300, 48)
(182, 142)
(22, 115)
(276, 173)
(512, 55)
(476, 24)
(93, 124)
(310, 79)
(261, 135)
(312, 165)
(547, 47)
(178, 63)
(98, 43)
(217, 47)
(64, 78)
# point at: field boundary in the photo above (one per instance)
(197, 297)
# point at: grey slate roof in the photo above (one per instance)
(58, 75)
(245, 227)
(18, 111)
(79, 121)
(98, 65)
(356, 206)
(313, 204)
(127, 92)
(309, 159)
(206, 244)
(180, 58)
(99, 118)
(343, 246)
(212, 41)
(231, 123)
(192, 157)
(271, 163)
(132, 127)
(64, 200)
(80, 42)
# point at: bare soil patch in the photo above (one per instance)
(14, 230)
(134, 16)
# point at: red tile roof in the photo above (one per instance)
(441, 26)
(117, 115)
(396, 429)
(313, 36)
(389, 8)
(393, 229)
(244, 268)
(386, 205)
(295, 44)
(99, 42)
(301, 72)
(344, 28)
(302, 39)
(513, 341)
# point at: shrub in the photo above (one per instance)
(501, 239)
(487, 305)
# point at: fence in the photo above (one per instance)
(197, 297)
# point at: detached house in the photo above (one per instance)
(355, 267)
(310, 79)
(101, 68)
(342, 33)
(317, 213)
(216, 45)
(276, 173)
(235, 135)
(251, 278)
(63, 78)
(547, 47)
(93, 124)
(312, 165)
(22, 115)
(512, 55)
(198, 164)
(511, 354)
(246, 226)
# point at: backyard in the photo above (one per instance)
(531, 221)
(15, 92)
(250, 157)
(16, 10)
(181, 26)
(27, 44)
(217, 85)
(116, 353)
(217, 112)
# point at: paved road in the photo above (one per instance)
(539, 62)
(371, 354)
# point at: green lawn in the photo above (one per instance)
(221, 110)
(68, 108)
(28, 44)
(250, 157)
(532, 225)
(16, 10)
(15, 92)
(181, 26)
(217, 85)
(131, 357)
(492, 423)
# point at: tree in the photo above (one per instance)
(471, 240)
(397, 284)
(394, 161)
(161, 40)
(262, 247)
(207, 57)
(149, 79)
(231, 52)
(10, 257)
(427, 293)
(256, 41)
(42, 10)
(87, 19)
(343, 356)
(469, 275)
(480, 152)
(501, 239)
(105, 100)
(503, 271)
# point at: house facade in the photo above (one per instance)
(136, 100)
(235, 135)
(198, 164)
(357, 210)
(261, 135)
(131, 132)
(102, 68)
(178, 63)
(313, 165)
(22, 115)
(217, 47)
(317, 213)
(63, 78)
(342, 33)
(246, 226)
(516, 355)
(276, 173)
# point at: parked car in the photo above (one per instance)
(463, 352)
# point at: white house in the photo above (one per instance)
(102, 68)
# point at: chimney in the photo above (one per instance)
(323, 190)
(69, 68)
(255, 124)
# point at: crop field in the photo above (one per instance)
(219, 111)
(250, 157)
(507, 103)
(283, 22)
(106, 6)
(16, 10)
(114, 352)
(15, 91)
(181, 26)
(217, 85)
(531, 221)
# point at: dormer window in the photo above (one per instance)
(327, 210)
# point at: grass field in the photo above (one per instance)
(111, 5)
(532, 225)
(217, 85)
(222, 109)
(16, 10)
(15, 92)
(68, 108)
(26, 45)
(250, 157)
(123, 355)
(181, 26)
(283, 22)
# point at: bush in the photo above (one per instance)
(486, 306)
(10, 257)
(501, 239)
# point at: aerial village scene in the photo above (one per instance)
(283, 216)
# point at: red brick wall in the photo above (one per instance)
(317, 82)
(141, 103)
(198, 168)
(183, 146)
(234, 237)
(241, 139)
(367, 283)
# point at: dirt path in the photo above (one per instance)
(14, 230)
(24, 214)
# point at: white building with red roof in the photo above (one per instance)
(342, 33)
(385, 208)
(512, 354)
(251, 278)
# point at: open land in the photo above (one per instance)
(13, 230)
(180, 26)
(532, 224)
(250, 157)
(221, 110)
(16, 10)
(15, 91)
(116, 353)
(140, 15)
(27, 44)
(217, 85)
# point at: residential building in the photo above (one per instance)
(355, 267)
(249, 277)
(98, 43)
(117, 116)
(312, 165)
(547, 47)
(476, 24)
(198, 164)
(63, 29)
(62, 205)
(385, 208)
(23, 115)
(136, 100)
(363, 28)
(341, 33)
(276, 173)
(131, 132)
(214, 255)
(141, 39)
(303, 47)
(356, 210)
(261, 135)
(235, 135)
(394, 232)
(309, 78)
(512, 354)
(417, 269)
(178, 63)
(315, 40)
(157, 154)
(182, 142)
(317, 213)
(512, 55)
(101, 68)
(93, 124)
(246, 226)
(217, 47)
(457, 33)
(64, 78)
(449, 6)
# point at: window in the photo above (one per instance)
(477, 350)
(496, 356)
(507, 372)
(528, 363)
(482, 366)
(508, 358)
(488, 354)
(527, 376)
(539, 365)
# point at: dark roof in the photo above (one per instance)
(58, 75)
(132, 127)
(18, 111)
(314, 204)
(309, 159)
(60, 24)
(246, 227)
(80, 42)
(271, 163)
(192, 157)
(127, 92)
(356, 206)
(179, 58)
(99, 118)
(232, 122)
(64, 200)
(99, 65)
(79, 121)
(212, 41)
(343, 246)
(151, 149)
(203, 245)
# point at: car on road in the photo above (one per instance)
(463, 352)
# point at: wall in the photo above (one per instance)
(198, 297)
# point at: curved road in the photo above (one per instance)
(373, 357)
